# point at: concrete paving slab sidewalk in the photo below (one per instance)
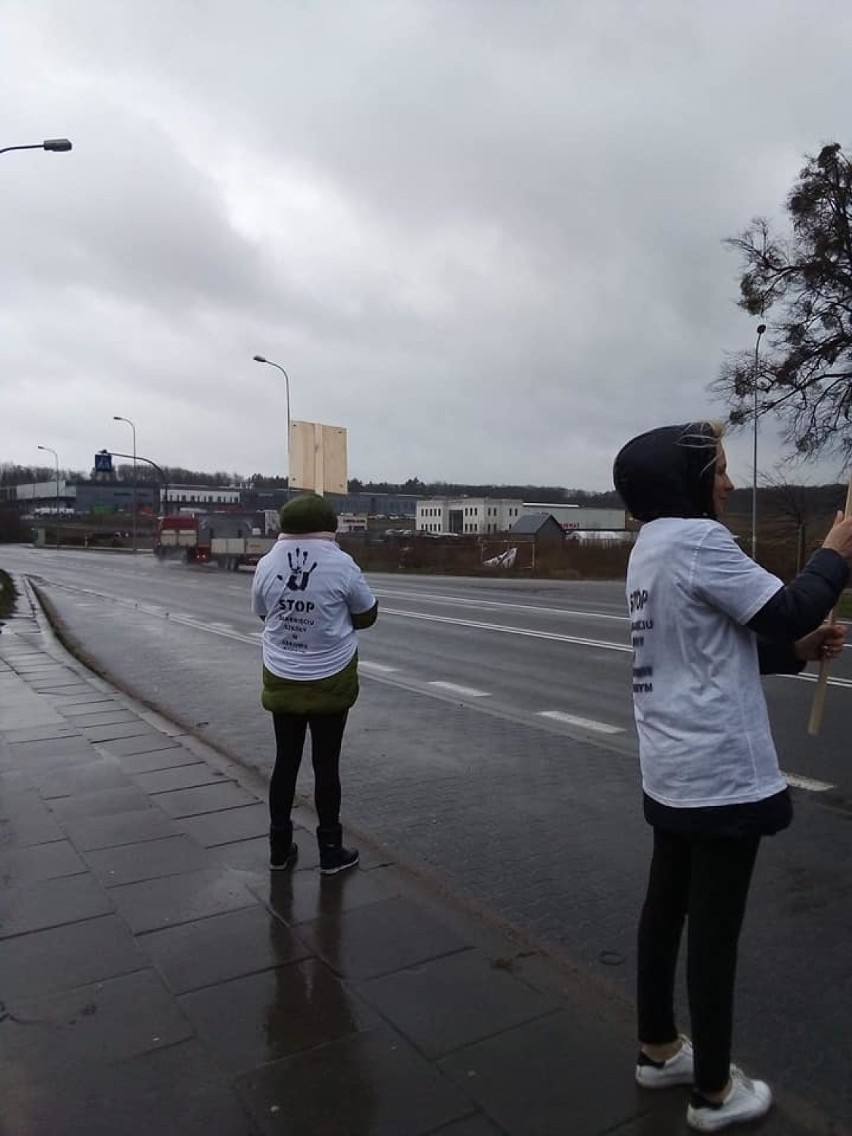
(155, 976)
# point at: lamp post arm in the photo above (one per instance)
(272, 363)
(58, 145)
(287, 393)
(147, 461)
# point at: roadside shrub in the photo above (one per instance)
(8, 594)
(12, 528)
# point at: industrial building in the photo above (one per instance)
(467, 515)
(483, 515)
(573, 517)
(392, 505)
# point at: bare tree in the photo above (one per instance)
(805, 281)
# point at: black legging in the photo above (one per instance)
(326, 740)
(705, 879)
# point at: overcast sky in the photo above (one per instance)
(482, 235)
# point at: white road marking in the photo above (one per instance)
(526, 632)
(582, 723)
(379, 667)
(459, 601)
(807, 677)
(462, 691)
(806, 783)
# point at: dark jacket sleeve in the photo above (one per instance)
(777, 658)
(802, 605)
(364, 619)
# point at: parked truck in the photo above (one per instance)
(228, 540)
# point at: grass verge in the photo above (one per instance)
(67, 640)
(844, 607)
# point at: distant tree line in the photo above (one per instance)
(784, 499)
(12, 474)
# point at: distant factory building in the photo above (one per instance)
(483, 515)
(467, 515)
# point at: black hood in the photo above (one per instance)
(668, 472)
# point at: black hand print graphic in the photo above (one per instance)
(300, 575)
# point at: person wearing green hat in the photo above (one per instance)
(313, 599)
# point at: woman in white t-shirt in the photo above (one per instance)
(705, 622)
(313, 599)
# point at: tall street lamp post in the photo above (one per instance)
(58, 145)
(120, 418)
(56, 459)
(269, 362)
(761, 328)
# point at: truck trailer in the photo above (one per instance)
(228, 540)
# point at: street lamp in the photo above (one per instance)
(57, 145)
(119, 418)
(260, 359)
(56, 459)
(761, 328)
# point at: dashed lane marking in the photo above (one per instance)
(380, 668)
(462, 691)
(582, 723)
(809, 783)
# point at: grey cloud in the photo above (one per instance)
(486, 238)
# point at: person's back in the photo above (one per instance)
(313, 598)
(706, 620)
(704, 734)
(305, 587)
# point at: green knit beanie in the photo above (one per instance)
(308, 513)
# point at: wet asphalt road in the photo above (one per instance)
(502, 759)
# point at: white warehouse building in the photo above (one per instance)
(466, 515)
(483, 515)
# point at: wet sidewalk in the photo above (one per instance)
(156, 977)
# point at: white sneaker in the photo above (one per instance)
(678, 1070)
(746, 1100)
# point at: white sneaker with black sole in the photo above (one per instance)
(746, 1100)
(677, 1070)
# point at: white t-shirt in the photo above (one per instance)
(704, 735)
(306, 589)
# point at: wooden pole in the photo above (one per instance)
(815, 723)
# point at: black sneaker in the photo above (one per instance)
(334, 857)
(334, 860)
